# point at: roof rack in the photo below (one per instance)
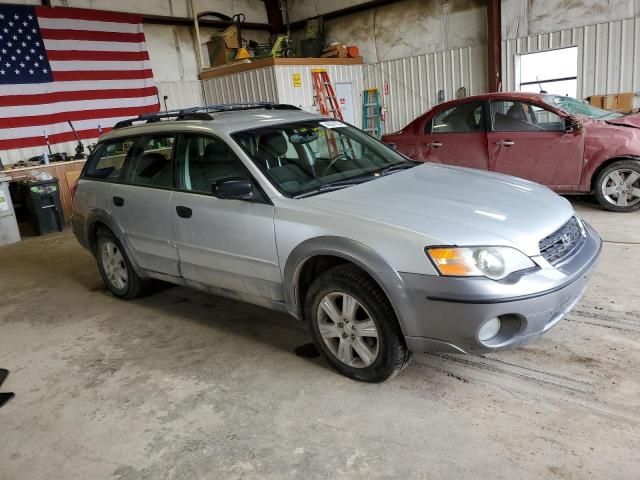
(202, 113)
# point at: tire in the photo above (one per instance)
(119, 276)
(617, 186)
(351, 337)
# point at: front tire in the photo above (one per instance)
(354, 326)
(115, 268)
(617, 187)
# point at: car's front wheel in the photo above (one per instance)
(618, 186)
(354, 326)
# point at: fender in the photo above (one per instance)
(99, 215)
(357, 253)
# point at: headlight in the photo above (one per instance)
(491, 262)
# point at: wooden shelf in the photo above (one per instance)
(249, 64)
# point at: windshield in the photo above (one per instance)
(576, 107)
(312, 156)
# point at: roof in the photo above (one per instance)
(221, 123)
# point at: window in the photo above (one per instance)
(150, 162)
(551, 71)
(464, 118)
(107, 161)
(203, 160)
(514, 116)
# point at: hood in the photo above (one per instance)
(631, 120)
(455, 206)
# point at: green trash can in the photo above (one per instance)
(43, 202)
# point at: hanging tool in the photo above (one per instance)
(372, 113)
(79, 147)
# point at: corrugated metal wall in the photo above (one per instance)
(303, 96)
(252, 86)
(180, 94)
(608, 55)
(413, 83)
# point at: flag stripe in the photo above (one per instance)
(64, 55)
(87, 14)
(62, 127)
(41, 88)
(78, 106)
(53, 139)
(56, 97)
(101, 75)
(79, 65)
(92, 25)
(50, 34)
(79, 115)
(93, 46)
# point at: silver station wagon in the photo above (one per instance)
(381, 256)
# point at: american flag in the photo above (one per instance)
(58, 64)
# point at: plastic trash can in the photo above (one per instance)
(43, 202)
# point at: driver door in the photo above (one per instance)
(530, 142)
(222, 243)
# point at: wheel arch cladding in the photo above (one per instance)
(333, 251)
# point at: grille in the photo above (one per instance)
(562, 243)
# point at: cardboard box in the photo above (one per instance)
(222, 48)
(616, 102)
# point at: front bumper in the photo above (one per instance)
(445, 314)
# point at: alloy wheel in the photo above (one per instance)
(348, 330)
(114, 265)
(621, 187)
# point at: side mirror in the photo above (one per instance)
(572, 125)
(236, 188)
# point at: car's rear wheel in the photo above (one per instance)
(354, 326)
(618, 186)
(115, 268)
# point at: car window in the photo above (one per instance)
(300, 157)
(107, 161)
(150, 162)
(464, 118)
(203, 160)
(516, 116)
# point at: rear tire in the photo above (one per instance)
(115, 268)
(617, 187)
(354, 326)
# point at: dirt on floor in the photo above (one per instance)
(185, 385)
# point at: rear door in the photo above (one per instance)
(529, 141)
(456, 136)
(140, 205)
(223, 243)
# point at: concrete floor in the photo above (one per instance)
(183, 385)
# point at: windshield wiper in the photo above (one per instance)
(337, 185)
(396, 168)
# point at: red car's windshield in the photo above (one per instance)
(576, 107)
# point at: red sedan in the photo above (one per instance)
(570, 146)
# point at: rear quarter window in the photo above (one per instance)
(107, 161)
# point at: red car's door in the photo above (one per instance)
(456, 136)
(528, 141)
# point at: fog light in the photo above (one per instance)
(489, 330)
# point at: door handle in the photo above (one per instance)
(434, 144)
(118, 201)
(505, 143)
(184, 212)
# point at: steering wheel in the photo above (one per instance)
(341, 156)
